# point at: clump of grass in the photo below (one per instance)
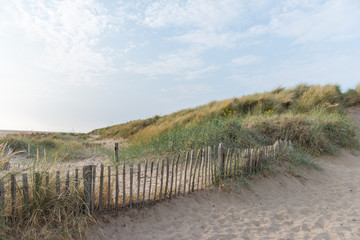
(46, 214)
(327, 97)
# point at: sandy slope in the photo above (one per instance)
(325, 205)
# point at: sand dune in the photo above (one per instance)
(319, 205)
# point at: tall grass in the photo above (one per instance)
(46, 215)
(316, 132)
(60, 146)
(300, 99)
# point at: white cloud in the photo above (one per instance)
(317, 21)
(68, 32)
(169, 64)
(200, 13)
(245, 60)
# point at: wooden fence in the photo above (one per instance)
(108, 188)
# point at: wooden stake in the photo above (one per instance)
(181, 173)
(131, 184)
(172, 177)
(13, 195)
(145, 173)
(161, 179)
(191, 166)
(116, 186)
(196, 164)
(138, 185)
(124, 186)
(151, 175)
(156, 179)
(25, 188)
(101, 188)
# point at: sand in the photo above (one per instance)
(321, 204)
(325, 205)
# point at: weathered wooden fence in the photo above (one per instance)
(108, 188)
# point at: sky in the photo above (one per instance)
(79, 65)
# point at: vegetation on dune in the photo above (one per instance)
(314, 117)
(59, 146)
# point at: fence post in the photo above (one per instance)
(221, 160)
(87, 187)
(25, 189)
(101, 187)
(117, 152)
(13, 195)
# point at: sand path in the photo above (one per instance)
(320, 205)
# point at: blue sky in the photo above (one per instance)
(79, 65)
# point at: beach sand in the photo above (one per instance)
(322, 204)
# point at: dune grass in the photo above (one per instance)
(60, 146)
(313, 117)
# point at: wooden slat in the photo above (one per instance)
(161, 179)
(191, 166)
(116, 186)
(185, 172)
(195, 168)
(151, 176)
(25, 188)
(172, 177)
(124, 186)
(67, 183)
(131, 184)
(138, 184)
(109, 189)
(202, 168)
(206, 166)
(221, 160)
(93, 188)
(210, 158)
(87, 170)
(167, 176)
(144, 188)
(181, 173)
(13, 195)
(156, 179)
(58, 183)
(231, 162)
(77, 180)
(101, 188)
(228, 154)
(176, 175)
